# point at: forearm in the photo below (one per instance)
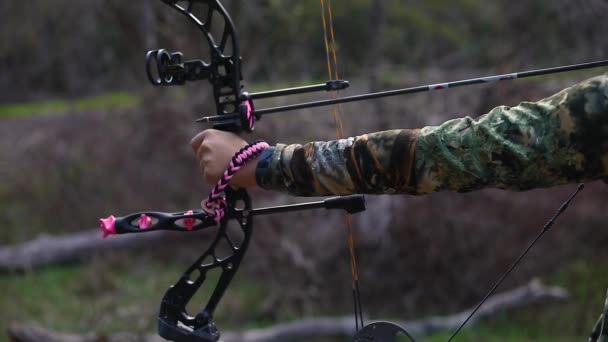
(561, 139)
(374, 163)
(558, 140)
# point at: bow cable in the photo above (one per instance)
(546, 227)
(329, 41)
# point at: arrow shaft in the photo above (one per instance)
(431, 87)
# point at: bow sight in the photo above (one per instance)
(234, 108)
(166, 69)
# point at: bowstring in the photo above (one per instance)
(329, 41)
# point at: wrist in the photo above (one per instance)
(241, 173)
(245, 177)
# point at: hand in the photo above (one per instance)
(214, 150)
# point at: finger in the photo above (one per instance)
(204, 207)
(196, 141)
(204, 149)
(200, 152)
(201, 166)
(199, 138)
(210, 179)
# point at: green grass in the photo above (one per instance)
(104, 101)
(106, 296)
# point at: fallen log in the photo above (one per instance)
(45, 249)
(532, 293)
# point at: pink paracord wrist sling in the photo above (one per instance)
(215, 201)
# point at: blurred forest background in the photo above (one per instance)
(83, 134)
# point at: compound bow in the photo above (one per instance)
(235, 112)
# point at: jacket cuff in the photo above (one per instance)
(268, 173)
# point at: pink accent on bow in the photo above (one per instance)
(107, 225)
(144, 221)
(189, 221)
(248, 114)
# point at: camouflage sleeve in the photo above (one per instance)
(557, 140)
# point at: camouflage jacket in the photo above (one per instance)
(557, 140)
